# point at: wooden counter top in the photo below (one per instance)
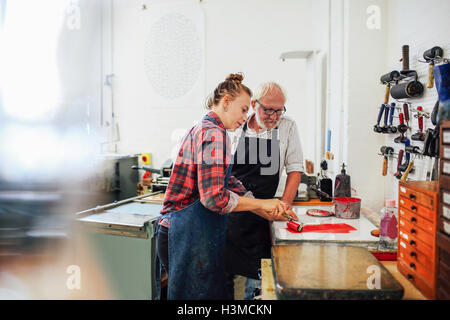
(268, 283)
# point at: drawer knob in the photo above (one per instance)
(413, 219)
(413, 254)
(412, 242)
(413, 230)
(411, 196)
(412, 265)
(410, 276)
(413, 208)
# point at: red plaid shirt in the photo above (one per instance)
(200, 169)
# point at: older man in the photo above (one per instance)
(265, 145)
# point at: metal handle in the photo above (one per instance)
(413, 243)
(410, 276)
(413, 219)
(413, 230)
(413, 254)
(413, 208)
(412, 265)
(411, 196)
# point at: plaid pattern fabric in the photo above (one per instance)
(200, 169)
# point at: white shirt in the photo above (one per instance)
(291, 153)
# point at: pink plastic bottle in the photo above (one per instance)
(389, 226)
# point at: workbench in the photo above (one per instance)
(268, 282)
(360, 237)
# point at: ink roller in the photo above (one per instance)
(295, 226)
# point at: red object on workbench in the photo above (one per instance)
(385, 256)
(326, 228)
(147, 175)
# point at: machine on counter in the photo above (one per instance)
(160, 183)
(321, 187)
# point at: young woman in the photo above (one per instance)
(192, 229)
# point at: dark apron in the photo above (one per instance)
(248, 235)
(196, 252)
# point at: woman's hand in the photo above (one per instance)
(272, 210)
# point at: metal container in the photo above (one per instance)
(347, 207)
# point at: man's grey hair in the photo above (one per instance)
(265, 87)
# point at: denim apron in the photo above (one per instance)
(197, 238)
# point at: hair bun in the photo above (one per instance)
(238, 77)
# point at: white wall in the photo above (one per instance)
(356, 93)
(357, 58)
(241, 36)
(428, 27)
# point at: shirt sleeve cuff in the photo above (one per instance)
(232, 203)
(249, 194)
(295, 167)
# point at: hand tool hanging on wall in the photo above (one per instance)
(404, 166)
(385, 127)
(388, 79)
(407, 171)
(431, 56)
(405, 61)
(377, 128)
(399, 161)
(412, 149)
(431, 144)
(402, 129)
(392, 128)
(406, 113)
(419, 135)
(386, 152)
(409, 88)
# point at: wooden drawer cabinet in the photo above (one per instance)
(416, 196)
(443, 244)
(444, 226)
(417, 232)
(418, 218)
(415, 279)
(416, 244)
(445, 211)
(443, 230)
(414, 207)
(444, 269)
(407, 250)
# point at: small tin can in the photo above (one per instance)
(347, 207)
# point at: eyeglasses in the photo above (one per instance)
(270, 111)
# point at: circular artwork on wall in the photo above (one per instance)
(173, 55)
